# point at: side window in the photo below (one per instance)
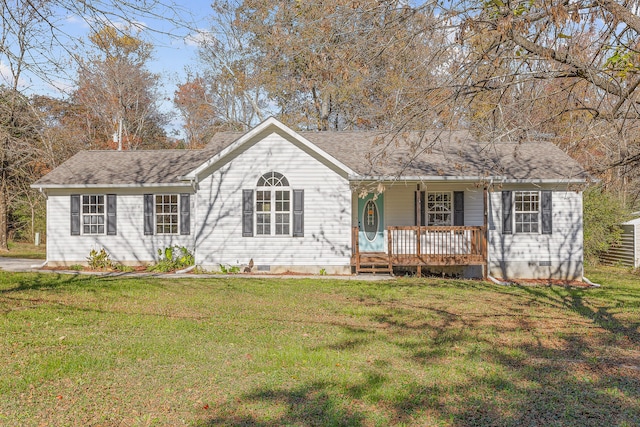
(93, 214)
(527, 211)
(167, 213)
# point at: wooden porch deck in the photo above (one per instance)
(421, 246)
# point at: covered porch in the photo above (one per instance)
(421, 246)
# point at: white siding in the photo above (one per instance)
(556, 255)
(130, 245)
(399, 203)
(327, 217)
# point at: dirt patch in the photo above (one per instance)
(547, 282)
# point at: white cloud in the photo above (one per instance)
(6, 77)
(199, 37)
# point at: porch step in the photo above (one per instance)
(374, 262)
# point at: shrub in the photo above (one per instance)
(99, 260)
(173, 258)
(229, 269)
(123, 268)
(603, 212)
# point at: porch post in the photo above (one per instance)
(485, 252)
(389, 249)
(418, 252)
(356, 247)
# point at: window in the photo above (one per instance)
(527, 211)
(439, 208)
(93, 214)
(273, 205)
(167, 216)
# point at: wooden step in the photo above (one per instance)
(373, 262)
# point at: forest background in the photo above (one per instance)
(510, 71)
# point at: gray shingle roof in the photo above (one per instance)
(124, 167)
(432, 154)
(446, 154)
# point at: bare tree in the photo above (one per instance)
(564, 70)
(118, 93)
(34, 45)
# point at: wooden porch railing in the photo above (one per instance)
(421, 245)
(426, 246)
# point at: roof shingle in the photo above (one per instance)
(370, 154)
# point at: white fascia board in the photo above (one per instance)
(387, 178)
(494, 179)
(81, 186)
(545, 181)
(255, 131)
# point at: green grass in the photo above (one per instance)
(82, 350)
(25, 250)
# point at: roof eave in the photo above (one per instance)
(441, 178)
(91, 186)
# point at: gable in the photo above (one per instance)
(264, 132)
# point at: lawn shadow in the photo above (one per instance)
(306, 405)
(19, 282)
(518, 366)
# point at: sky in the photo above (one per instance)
(175, 48)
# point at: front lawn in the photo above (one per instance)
(82, 350)
(25, 250)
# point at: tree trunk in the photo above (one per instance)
(4, 247)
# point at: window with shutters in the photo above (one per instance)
(273, 205)
(167, 213)
(527, 211)
(93, 214)
(439, 208)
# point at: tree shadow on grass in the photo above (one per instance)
(601, 316)
(526, 374)
(305, 405)
(18, 282)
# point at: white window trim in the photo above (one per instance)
(155, 214)
(103, 214)
(272, 189)
(537, 212)
(427, 211)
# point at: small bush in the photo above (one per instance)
(99, 260)
(232, 269)
(76, 267)
(173, 258)
(123, 268)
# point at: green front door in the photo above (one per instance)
(371, 223)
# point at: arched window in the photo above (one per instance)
(273, 205)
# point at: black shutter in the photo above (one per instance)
(458, 208)
(507, 212)
(419, 208)
(298, 213)
(148, 214)
(75, 214)
(547, 212)
(247, 213)
(185, 214)
(112, 219)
